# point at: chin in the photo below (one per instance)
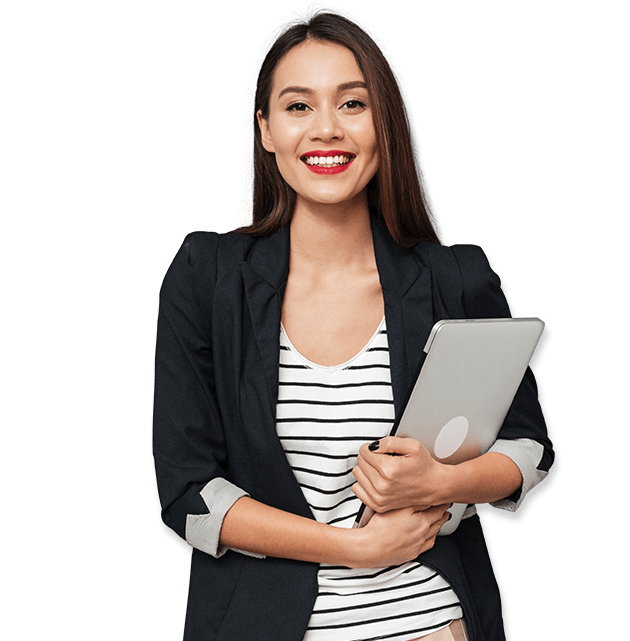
(331, 197)
(328, 199)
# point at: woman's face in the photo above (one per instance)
(320, 124)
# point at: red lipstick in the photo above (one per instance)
(326, 168)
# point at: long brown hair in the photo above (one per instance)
(395, 193)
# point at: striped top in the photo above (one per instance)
(324, 414)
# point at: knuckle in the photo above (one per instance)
(387, 473)
(381, 485)
(387, 441)
(378, 495)
(379, 505)
(374, 501)
(390, 469)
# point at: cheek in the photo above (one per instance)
(365, 136)
(285, 136)
(372, 143)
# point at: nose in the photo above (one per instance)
(326, 126)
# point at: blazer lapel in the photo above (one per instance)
(407, 291)
(265, 274)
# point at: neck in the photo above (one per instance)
(332, 237)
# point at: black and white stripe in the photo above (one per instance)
(324, 414)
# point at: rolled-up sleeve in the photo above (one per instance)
(527, 454)
(523, 436)
(188, 440)
(203, 530)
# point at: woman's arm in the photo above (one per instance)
(400, 472)
(486, 479)
(388, 539)
(188, 440)
(198, 502)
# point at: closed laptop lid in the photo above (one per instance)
(463, 389)
(466, 384)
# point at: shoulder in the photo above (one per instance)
(209, 246)
(202, 254)
(483, 296)
(470, 260)
(479, 281)
(466, 262)
(454, 256)
(204, 251)
(467, 267)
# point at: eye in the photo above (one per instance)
(298, 106)
(354, 105)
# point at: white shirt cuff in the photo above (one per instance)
(203, 530)
(527, 454)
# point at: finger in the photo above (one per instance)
(429, 542)
(396, 445)
(437, 526)
(361, 494)
(432, 532)
(427, 516)
(434, 528)
(384, 466)
(375, 487)
(362, 479)
(364, 490)
(401, 445)
(366, 498)
(422, 508)
(370, 465)
(436, 512)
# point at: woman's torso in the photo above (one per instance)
(324, 414)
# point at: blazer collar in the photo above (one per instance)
(398, 269)
(407, 292)
(265, 271)
(269, 258)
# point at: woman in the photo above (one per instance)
(284, 350)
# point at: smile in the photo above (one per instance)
(327, 162)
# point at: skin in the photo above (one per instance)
(319, 101)
(333, 304)
(333, 300)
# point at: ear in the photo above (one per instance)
(265, 133)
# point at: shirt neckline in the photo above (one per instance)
(331, 368)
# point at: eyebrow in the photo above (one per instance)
(344, 86)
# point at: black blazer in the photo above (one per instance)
(216, 387)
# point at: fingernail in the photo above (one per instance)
(450, 516)
(374, 446)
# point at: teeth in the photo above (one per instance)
(327, 160)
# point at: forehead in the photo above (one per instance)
(320, 66)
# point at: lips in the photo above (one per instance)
(331, 161)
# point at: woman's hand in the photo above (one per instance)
(401, 472)
(388, 539)
(399, 536)
(398, 473)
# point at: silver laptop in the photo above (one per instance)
(464, 389)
